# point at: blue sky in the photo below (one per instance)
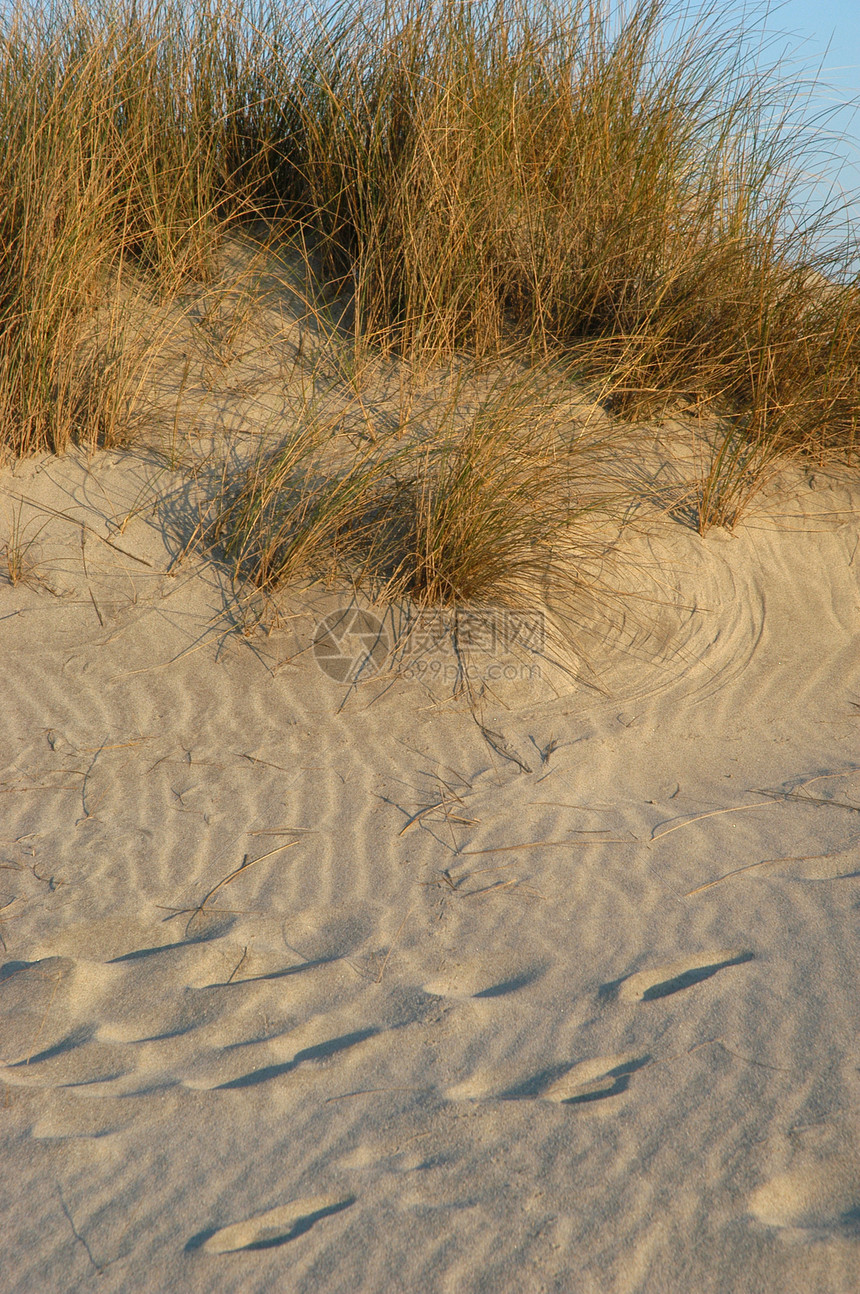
(816, 44)
(814, 41)
(826, 35)
(830, 30)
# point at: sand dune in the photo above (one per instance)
(316, 987)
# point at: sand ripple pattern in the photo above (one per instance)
(311, 989)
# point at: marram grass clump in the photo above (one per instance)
(472, 503)
(621, 192)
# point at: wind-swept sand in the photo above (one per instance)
(588, 1024)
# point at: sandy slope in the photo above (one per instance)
(591, 1024)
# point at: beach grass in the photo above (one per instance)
(472, 502)
(616, 199)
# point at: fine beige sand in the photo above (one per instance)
(548, 985)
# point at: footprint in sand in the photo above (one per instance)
(478, 986)
(482, 1085)
(47, 1010)
(320, 1052)
(594, 1080)
(275, 1226)
(664, 981)
(76, 1061)
(819, 1196)
(68, 1118)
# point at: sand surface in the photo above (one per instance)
(549, 987)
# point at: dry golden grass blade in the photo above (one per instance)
(535, 844)
(244, 866)
(422, 813)
(688, 822)
(283, 831)
(765, 862)
(392, 945)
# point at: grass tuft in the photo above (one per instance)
(478, 501)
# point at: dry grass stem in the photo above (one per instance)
(535, 844)
(793, 858)
(391, 948)
(688, 822)
(237, 871)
